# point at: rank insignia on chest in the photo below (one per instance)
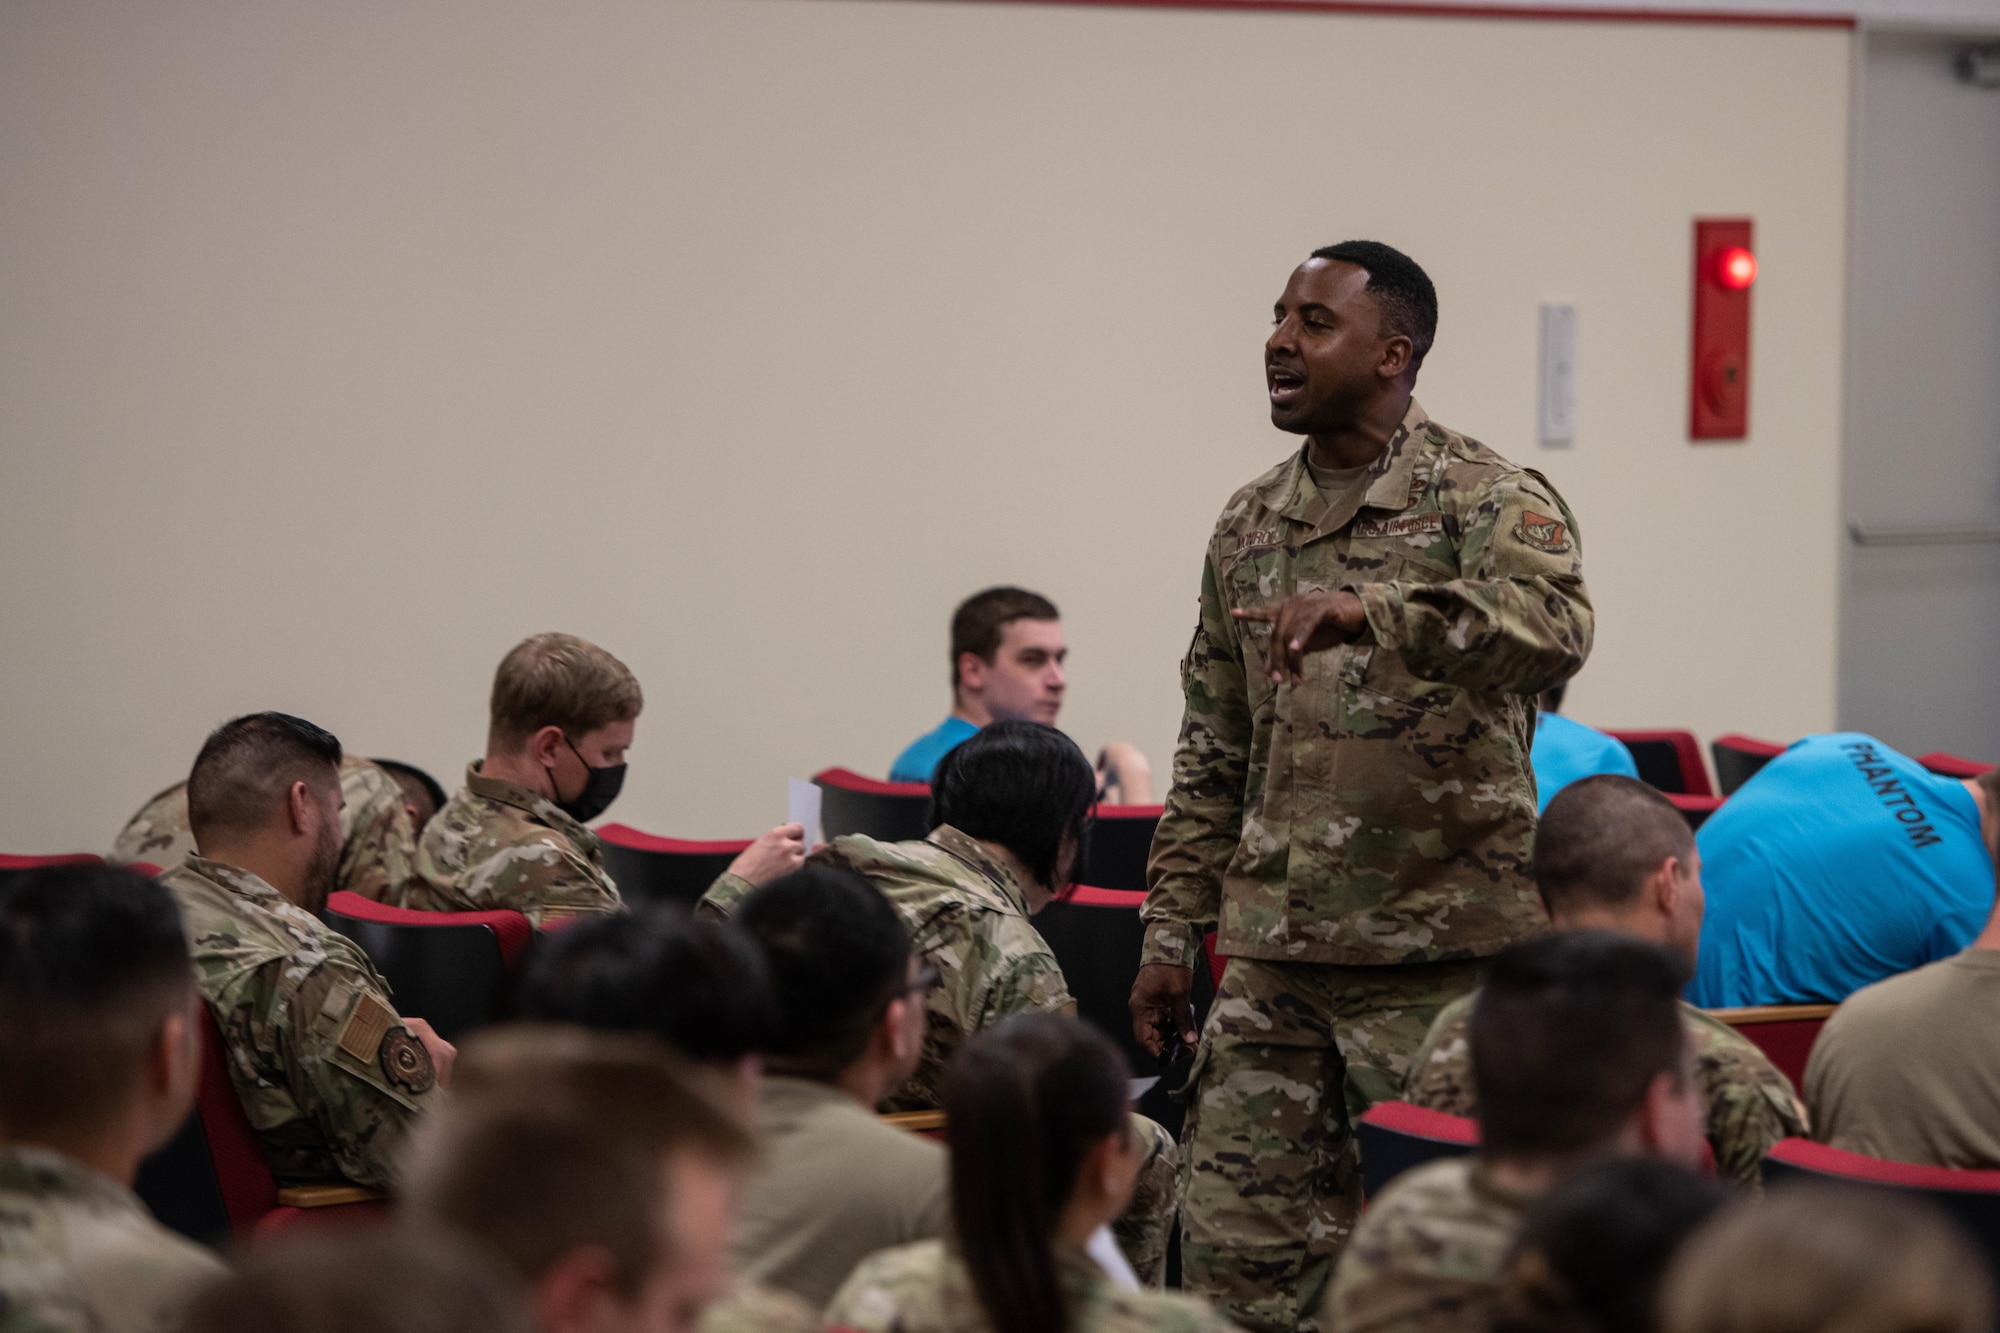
(1542, 532)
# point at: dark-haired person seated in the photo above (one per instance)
(1578, 1054)
(1007, 662)
(1013, 808)
(1613, 854)
(1839, 864)
(329, 1073)
(99, 1056)
(836, 1184)
(561, 717)
(602, 1170)
(1565, 750)
(1591, 1253)
(1905, 1068)
(1041, 1158)
(362, 1280)
(385, 807)
(700, 986)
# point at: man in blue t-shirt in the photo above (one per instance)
(1839, 864)
(1007, 656)
(1565, 751)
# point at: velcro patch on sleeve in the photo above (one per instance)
(362, 1035)
(1542, 532)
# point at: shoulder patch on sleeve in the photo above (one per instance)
(362, 1035)
(1542, 532)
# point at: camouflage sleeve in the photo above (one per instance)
(723, 896)
(1751, 1105)
(1440, 1076)
(1011, 971)
(750, 1308)
(378, 857)
(1517, 619)
(892, 1290)
(543, 879)
(1204, 815)
(355, 1070)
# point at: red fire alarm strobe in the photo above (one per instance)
(1725, 265)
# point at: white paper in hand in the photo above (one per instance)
(1103, 1247)
(802, 807)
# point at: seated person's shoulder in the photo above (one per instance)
(1432, 1220)
(1440, 1076)
(752, 1308)
(1121, 1311)
(893, 1291)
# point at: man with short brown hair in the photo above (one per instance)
(1007, 663)
(563, 712)
(601, 1170)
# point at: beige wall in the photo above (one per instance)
(346, 344)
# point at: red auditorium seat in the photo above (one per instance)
(448, 968)
(1120, 841)
(887, 811)
(1738, 758)
(1971, 1198)
(1783, 1032)
(210, 1182)
(1953, 766)
(651, 869)
(1396, 1136)
(1668, 760)
(1694, 809)
(1095, 934)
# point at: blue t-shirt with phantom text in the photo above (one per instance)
(915, 763)
(1839, 864)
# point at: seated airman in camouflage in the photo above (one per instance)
(1613, 854)
(329, 1073)
(99, 1057)
(562, 717)
(1578, 1055)
(1011, 806)
(386, 809)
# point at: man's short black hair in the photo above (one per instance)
(700, 985)
(92, 960)
(248, 764)
(981, 621)
(1567, 1033)
(838, 953)
(1409, 302)
(1600, 839)
(1025, 786)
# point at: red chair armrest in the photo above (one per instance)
(852, 781)
(624, 835)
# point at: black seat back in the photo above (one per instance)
(883, 816)
(449, 975)
(663, 877)
(1119, 846)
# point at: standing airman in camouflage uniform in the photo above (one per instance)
(329, 1073)
(1352, 806)
(967, 902)
(563, 712)
(1613, 854)
(378, 848)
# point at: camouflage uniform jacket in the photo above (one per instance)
(1750, 1104)
(1428, 1255)
(968, 916)
(1382, 810)
(378, 850)
(749, 1308)
(327, 1072)
(80, 1254)
(925, 1288)
(499, 845)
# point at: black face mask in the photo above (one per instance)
(600, 789)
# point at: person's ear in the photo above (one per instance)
(894, 1031)
(300, 809)
(546, 745)
(972, 669)
(1664, 886)
(572, 1292)
(1397, 354)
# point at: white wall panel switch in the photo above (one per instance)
(1558, 374)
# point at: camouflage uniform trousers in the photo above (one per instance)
(1271, 1179)
(1147, 1224)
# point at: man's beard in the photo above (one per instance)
(322, 869)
